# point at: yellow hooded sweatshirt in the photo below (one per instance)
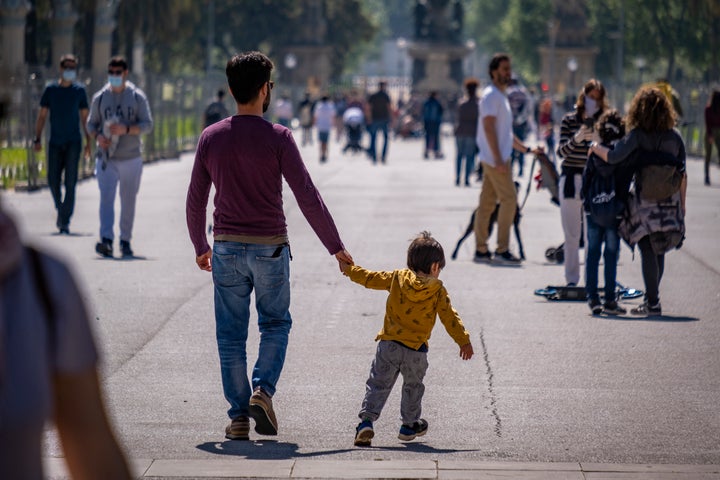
(412, 306)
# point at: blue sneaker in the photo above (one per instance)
(417, 429)
(364, 433)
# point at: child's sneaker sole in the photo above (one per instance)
(364, 438)
(413, 436)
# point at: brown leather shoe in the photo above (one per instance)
(261, 410)
(239, 429)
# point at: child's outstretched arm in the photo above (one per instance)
(466, 351)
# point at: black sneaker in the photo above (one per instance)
(125, 249)
(104, 248)
(612, 308)
(646, 309)
(482, 257)
(506, 258)
(417, 429)
(595, 306)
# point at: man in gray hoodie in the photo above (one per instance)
(119, 114)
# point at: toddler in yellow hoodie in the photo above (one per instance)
(416, 298)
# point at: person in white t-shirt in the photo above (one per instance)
(324, 118)
(496, 141)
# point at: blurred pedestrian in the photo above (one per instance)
(576, 133)
(119, 114)
(712, 131)
(546, 125)
(216, 111)
(66, 102)
(432, 119)
(246, 159)
(306, 110)
(284, 111)
(496, 141)
(379, 114)
(656, 211)
(48, 369)
(416, 298)
(522, 108)
(324, 118)
(465, 132)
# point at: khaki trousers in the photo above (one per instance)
(496, 187)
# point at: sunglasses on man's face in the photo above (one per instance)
(115, 72)
(271, 84)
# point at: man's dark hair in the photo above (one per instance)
(68, 57)
(423, 251)
(495, 62)
(118, 61)
(246, 75)
(471, 85)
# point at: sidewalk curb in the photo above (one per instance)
(398, 469)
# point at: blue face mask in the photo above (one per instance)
(115, 80)
(69, 75)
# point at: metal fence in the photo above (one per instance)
(177, 104)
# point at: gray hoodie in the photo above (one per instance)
(129, 107)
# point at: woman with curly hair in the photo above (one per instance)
(655, 224)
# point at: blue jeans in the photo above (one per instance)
(466, 148)
(382, 126)
(63, 157)
(432, 137)
(596, 235)
(237, 269)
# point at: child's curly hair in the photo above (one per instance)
(610, 126)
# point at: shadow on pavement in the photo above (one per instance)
(263, 449)
(654, 318)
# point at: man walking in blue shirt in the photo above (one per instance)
(66, 101)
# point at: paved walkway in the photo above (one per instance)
(604, 421)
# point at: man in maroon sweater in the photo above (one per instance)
(246, 158)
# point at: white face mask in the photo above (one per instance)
(591, 107)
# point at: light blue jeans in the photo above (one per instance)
(596, 236)
(237, 269)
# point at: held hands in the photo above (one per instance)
(344, 260)
(466, 351)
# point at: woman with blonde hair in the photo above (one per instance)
(656, 209)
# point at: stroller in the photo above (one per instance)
(353, 119)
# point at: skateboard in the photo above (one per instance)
(572, 293)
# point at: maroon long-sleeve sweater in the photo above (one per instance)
(246, 157)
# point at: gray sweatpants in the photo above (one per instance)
(127, 174)
(390, 360)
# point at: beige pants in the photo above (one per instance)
(496, 187)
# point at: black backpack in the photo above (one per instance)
(602, 198)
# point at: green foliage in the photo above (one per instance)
(522, 30)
